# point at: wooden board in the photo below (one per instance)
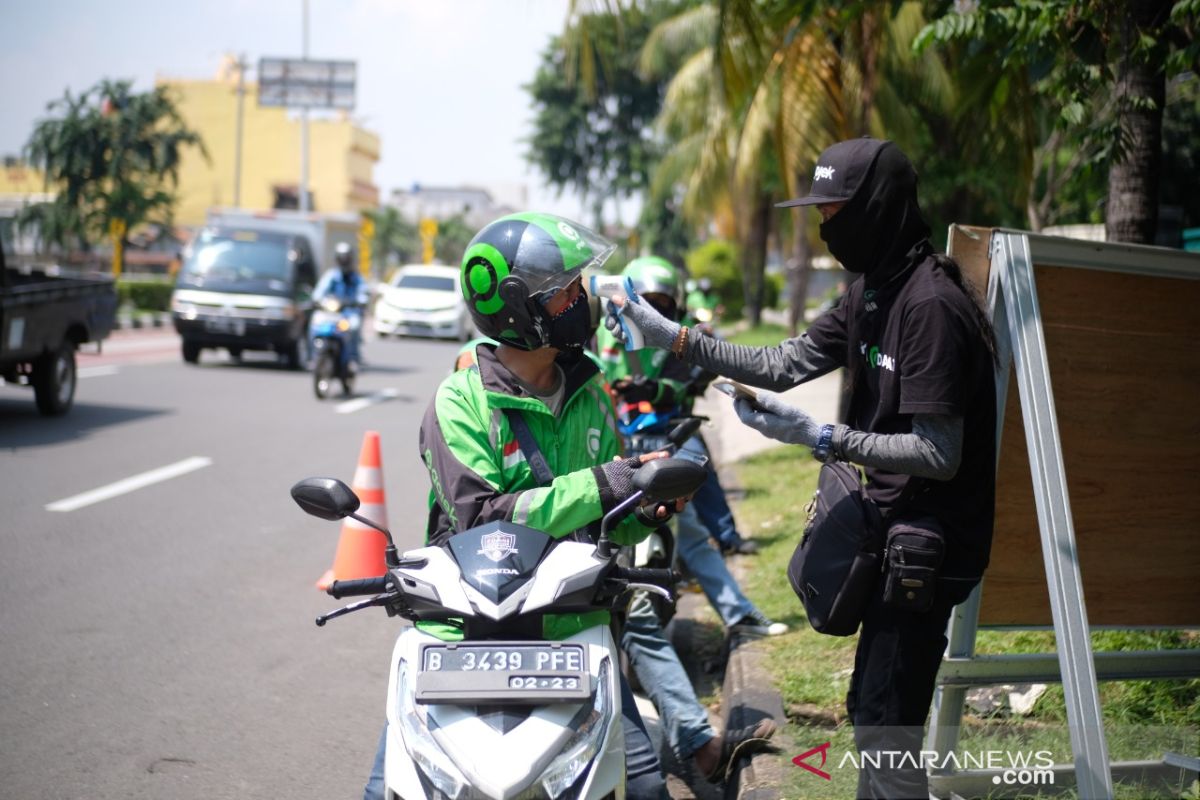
(1124, 355)
(969, 246)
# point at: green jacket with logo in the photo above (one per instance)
(668, 372)
(480, 475)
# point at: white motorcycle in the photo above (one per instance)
(502, 712)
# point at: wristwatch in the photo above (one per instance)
(823, 449)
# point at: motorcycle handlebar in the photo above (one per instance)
(656, 577)
(358, 586)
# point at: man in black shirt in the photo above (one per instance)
(921, 422)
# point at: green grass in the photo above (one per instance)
(763, 335)
(1143, 719)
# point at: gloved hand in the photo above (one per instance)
(657, 330)
(618, 476)
(657, 513)
(772, 417)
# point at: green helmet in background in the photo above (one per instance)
(517, 261)
(654, 275)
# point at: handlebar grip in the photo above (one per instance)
(359, 586)
(656, 577)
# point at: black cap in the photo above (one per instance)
(840, 171)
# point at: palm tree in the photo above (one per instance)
(699, 120)
(113, 158)
(765, 90)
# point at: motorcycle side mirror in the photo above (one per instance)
(666, 479)
(684, 431)
(327, 498)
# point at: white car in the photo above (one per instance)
(423, 300)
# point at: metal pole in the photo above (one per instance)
(304, 204)
(1059, 552)
(237, 141)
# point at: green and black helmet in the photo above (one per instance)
(654, 275)
(515, 260)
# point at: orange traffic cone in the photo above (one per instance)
(360, 549)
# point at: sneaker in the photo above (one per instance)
(739, 743)
(740, 547)
(759, 623)
(746, 547)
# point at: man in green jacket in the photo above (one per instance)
(522, 280)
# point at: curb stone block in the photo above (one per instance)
(750, 696)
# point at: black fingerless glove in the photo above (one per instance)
(615, 481)
(648, 515)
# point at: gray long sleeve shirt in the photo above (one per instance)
(932, 450)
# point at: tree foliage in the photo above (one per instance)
(454, 234)
(1097, 71)
(594, 108)
(395, 239)
(111, 156)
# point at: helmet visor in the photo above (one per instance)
(549, 252)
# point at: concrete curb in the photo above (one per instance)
(750, 695)
(127, 320)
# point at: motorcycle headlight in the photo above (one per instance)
(419, 742)
(591, 727)
(331, 304)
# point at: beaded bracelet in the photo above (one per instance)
(679, 346)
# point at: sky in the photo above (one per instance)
(439, 80)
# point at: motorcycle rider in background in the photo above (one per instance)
(703, 305)
(656, 377)
(343, 282)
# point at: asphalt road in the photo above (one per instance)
(159, 642)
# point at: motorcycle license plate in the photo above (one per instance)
(503, 672)
(640, 445)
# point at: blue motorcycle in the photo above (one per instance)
(335, 329)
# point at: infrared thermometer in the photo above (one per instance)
(610, 286)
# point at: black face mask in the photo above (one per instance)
(572, 327)
(882, 221)
(847, 242)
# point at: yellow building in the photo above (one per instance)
(342, 156)
(21, 184)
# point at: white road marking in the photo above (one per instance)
(350, 406)
(131, 484)
(96, 372)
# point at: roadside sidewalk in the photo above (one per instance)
(748, 693)
(127, 319)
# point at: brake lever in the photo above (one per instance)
(377, 600)
(650, 587)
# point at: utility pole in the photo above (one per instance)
(237, 143)
(304, 204)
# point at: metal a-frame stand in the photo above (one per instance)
(1016, 316)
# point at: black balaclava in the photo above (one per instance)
(875, 231)
(572, 327)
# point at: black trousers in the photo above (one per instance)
(895, 669)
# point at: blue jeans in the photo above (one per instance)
(664, 679)
(643, 774)
(710, 503)
(705, 563)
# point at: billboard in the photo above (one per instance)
(306, 83)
